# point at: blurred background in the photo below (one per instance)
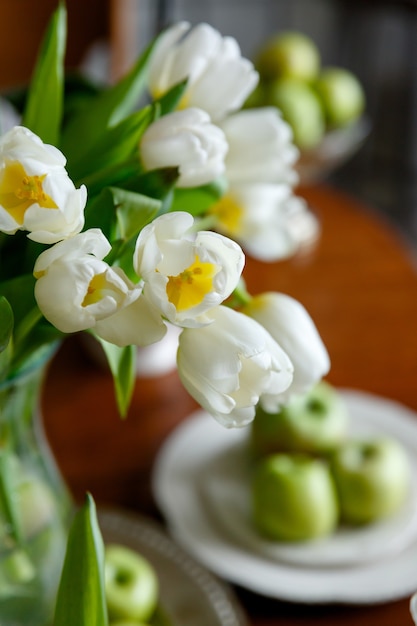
(377, 40)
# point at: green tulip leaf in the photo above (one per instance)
(123, 252)
(81, 599)
(170, 100)
(19, 293)
(158, 184)
(43, 337)
(134, 211)
(106, 110)
(6, 323)
(8, 501)
(101, 165)
(121, 215)
(122, 363)
(198, 200)
(79, 92)
(100, 213)
(31, 332)
(44, 107)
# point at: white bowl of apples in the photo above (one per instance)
(324, 106)
(311, 477)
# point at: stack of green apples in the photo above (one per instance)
(312, 99)
(310, 475)
(132, 589)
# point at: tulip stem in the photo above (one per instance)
(28, 323)
(240, 296)
(208, 222)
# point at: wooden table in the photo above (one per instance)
(359, 283)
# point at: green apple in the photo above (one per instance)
(341, 94)
(131, 585)
(293, 498)
(124, 623)
(372, 479)
(315, 423)
(289, 54)
(301, 108)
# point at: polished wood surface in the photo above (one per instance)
(359, 283)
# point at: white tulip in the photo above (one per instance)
(186, 274)
(219, 79)
(228, 365)
(36, 193)
(261, 148)
(76, 290)
(291, 326)
(187, 140)
(268, 220)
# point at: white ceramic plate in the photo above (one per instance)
(199, 485)
(189, 595)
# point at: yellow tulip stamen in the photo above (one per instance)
(184, 103)
(18, 191)
(189, 288)
(95, 289)
(228, 213)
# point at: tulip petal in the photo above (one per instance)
(292, 327)
(137, 324)
(219, 79)
(76, 290)
(229, 364)
(187, 140)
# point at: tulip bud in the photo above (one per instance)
(219, 79)
(292, 327)
(187, 140)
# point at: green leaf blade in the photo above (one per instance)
(44, 107)
(81, 599)
(134, 211)
(115, 146)
(6, 323)
(108, 109)
(198, 199)
(158, 184)
(122, 363)
(8, 505)
(171, 99)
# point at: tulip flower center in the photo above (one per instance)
(95, 289)
(189, 288)
(18, 191)
(228, 213)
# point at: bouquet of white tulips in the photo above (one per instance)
(117, 220)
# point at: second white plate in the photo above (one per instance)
(188, 594)
(199, 484)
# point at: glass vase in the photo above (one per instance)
(35, 504)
